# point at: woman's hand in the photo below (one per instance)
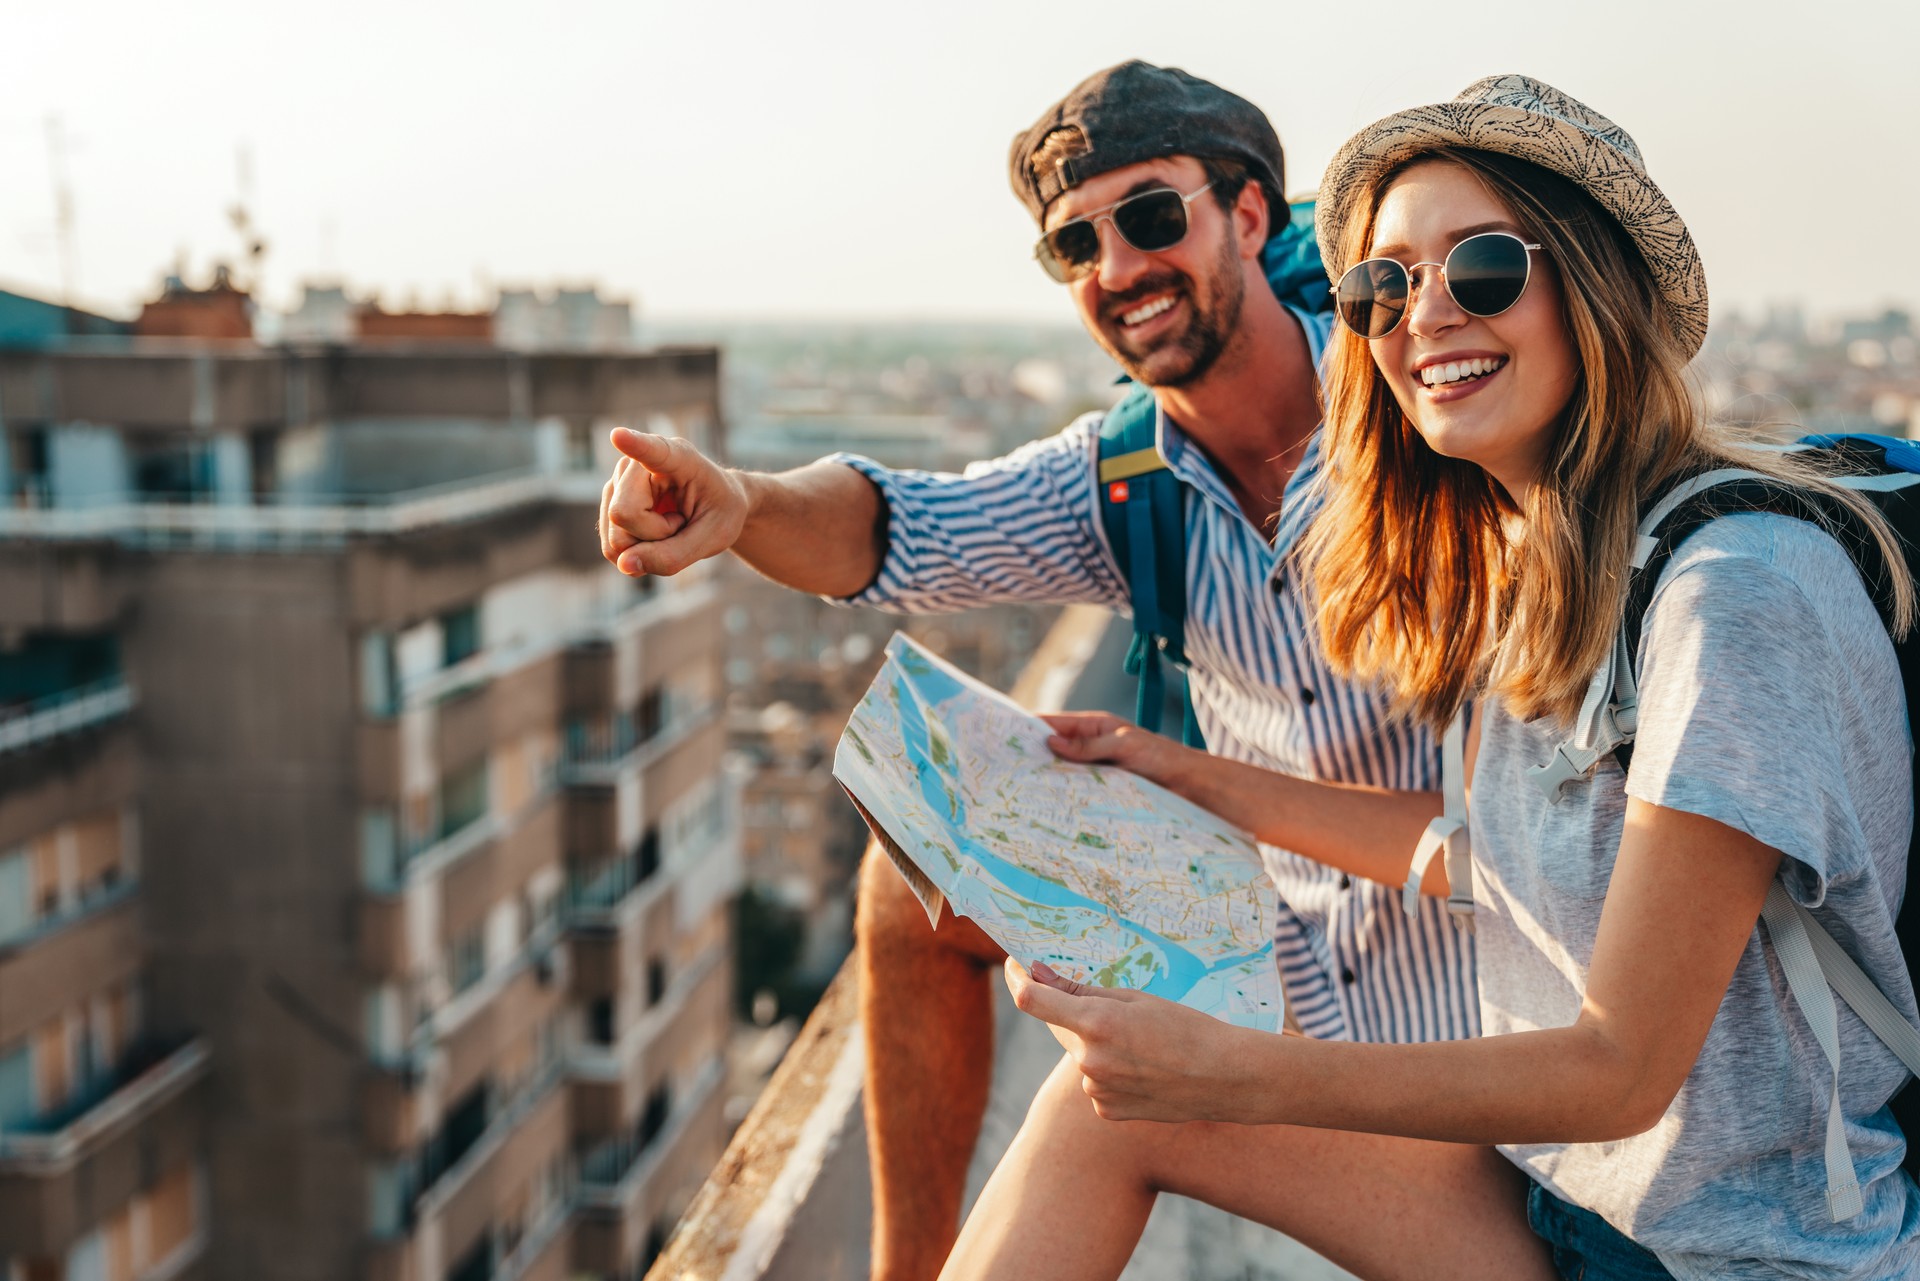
(1101, 738)
(1141, 1058)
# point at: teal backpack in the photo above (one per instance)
(1143, 505)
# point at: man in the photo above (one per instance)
(1191, 316)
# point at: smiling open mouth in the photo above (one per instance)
(1458, 371)
(1147, 311)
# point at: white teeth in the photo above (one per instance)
(1147, 312)
(1454, 371)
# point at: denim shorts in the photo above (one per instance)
(1585, 1246)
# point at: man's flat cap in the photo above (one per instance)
(1134, 112)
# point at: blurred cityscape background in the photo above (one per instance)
(390, 889)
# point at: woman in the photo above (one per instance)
(1649, 1101)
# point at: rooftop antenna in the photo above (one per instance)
(253, 247)
(62, 209)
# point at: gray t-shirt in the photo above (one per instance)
(1770, 700)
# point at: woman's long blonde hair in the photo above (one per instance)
(1427, 585)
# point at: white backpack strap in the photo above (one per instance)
(1644, 546)
(1794, 946)
(1608, 715)
(1846, 977)
(1447, 833)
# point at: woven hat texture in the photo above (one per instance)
(1523, 117)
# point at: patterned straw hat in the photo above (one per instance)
(1520, 116)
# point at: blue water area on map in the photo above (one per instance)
(928, 684)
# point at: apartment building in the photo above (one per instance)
(366, 845)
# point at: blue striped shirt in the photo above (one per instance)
(1027, 527)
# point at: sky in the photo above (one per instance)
(847, 158)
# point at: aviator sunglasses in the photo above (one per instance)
(1484, 274)
(1150, 222)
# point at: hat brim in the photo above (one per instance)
(1593, 161)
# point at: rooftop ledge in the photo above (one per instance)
(790, 1198)
(148, 1077)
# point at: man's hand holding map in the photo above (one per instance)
(1104, 876)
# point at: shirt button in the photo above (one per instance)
(1306, 696)
(1346, 976)
(1276, 585)
(1346, 882)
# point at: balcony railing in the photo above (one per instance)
(149, 1073)
(66, 712)
(608, 1062)
(611, 1171)
(597, 755)
(445, 1164)
(593, 895)
(320, 522)
(92, 902)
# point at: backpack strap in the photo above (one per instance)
(1814, 964)
(1447, 833)
(1143, 510)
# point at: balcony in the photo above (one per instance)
(790, 1199)
(481, 1150)
(68, 712)
(598, 755)
(61, 1173)
(614, 1174)
(607, 1061)
(88, 947)
(601, 896)
(150, 1073)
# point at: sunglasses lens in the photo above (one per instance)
(1372, 297)
(1487, 273)
(1152, 221)
(1069, 252)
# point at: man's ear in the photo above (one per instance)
(1252, 218)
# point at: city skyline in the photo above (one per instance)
(746, 160)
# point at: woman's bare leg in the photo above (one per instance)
(1073, 1193)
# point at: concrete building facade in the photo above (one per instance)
(366, 846)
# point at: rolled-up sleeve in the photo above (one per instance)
(1018, 528)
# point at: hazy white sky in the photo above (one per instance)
(847, 157)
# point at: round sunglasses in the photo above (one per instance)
(1150, 222)
(1484, 274)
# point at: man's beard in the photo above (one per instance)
(1184, 358)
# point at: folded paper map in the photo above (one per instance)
(1106, 877)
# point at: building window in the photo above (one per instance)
(656, 981)
(463, 797)
(379, 849)
(379, 675)
(16, 1084)
(459, 635)
(467, 959)
(647, 856)
(600, 1020)
(651, 714)
(17, 910)
(653, 1118)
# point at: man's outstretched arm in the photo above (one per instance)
(820, 528)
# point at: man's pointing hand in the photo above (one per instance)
(667, 506)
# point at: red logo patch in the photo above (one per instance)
(1117, 492)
